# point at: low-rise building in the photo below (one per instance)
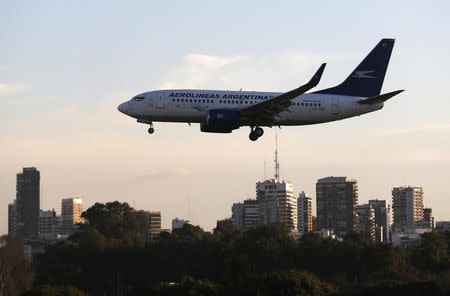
(409, 236)
(443, 225)
(179, 223)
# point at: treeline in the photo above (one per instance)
(106, 258)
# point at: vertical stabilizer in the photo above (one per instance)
(367, 79)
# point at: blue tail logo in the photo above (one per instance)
(367, 79)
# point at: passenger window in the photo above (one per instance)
(203, 100)
(178, 100)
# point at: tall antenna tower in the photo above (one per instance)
(277, 164)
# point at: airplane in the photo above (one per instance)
(222, 111)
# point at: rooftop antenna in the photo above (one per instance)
(277, 164)
(265, 170)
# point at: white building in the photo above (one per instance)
(47, 224)
(277, 203)
(150, 224)
(408, 236)
(407, 205)
(179, 223)
(71, 209)
(246, 214)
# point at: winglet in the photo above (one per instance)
(316, 78)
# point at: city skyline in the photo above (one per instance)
(58, 102)
(73, 207)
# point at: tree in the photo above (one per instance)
(189, 233)
(432, 252)
(113, 219)
(15, 267)
(47, 290)
(287, 283)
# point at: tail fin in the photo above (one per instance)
(367, 79)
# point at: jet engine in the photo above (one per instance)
(220, 121)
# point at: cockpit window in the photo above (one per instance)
(138, 98)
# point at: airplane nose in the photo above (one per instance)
(123, 108)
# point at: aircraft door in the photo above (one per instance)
(335, 106)
(160, 101)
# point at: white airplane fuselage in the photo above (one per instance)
(220, 111)
(192, 106)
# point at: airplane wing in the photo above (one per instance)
(265, 112)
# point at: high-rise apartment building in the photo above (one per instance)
(304, 210)
(382, 219)
(277, 203)
(407, 204)
(71, 210)
(336, 201)
(365, 221)
(246, 214)
(428, 219)
(12, 218)
(237, 214)
(150, 224)
(48, 224)
(27, 202)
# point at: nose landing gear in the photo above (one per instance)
(255, 133)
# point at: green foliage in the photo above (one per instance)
(290, 283)
(113, 220)
(433, 251)
(47, 290)
(189, 233)
(261, 261)
(91, 238)
(15, 267)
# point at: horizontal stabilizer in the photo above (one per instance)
(380, 98)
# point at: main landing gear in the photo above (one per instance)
(151, 129)
(255, 133)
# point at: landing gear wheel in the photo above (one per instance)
(258, 132)
(253, 137)
(151, 130)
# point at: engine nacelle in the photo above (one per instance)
(220, 121)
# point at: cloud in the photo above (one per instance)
(166, 173)
(10, 89)
(262, 72)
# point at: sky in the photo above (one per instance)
(66, 65)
